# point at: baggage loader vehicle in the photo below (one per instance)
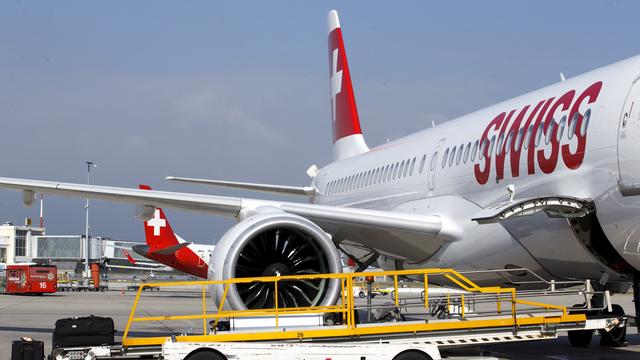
(404, 329)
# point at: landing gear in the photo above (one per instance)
(617, 337)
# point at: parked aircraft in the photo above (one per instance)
(166, 247)
(548, 181)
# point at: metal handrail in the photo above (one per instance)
(346, 306)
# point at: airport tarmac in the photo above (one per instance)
(34, 316)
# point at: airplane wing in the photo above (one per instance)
(332, 219)
(274, 189)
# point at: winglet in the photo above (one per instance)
(129, 257)
(347, 134)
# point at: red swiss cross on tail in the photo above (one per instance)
(347, 135)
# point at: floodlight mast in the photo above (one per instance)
(86, 278)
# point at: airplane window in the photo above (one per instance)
(413, 162)
(585, 122)
(538, 135)
(560, 132)
(547, 136)
(385, 176)
(507, 144)
(352, 182)
(401, 170)
(359, 180)
(519, 139)
(572, 125)
(460, 148)
(444, 157)
(483, 148)
(474, 151)
(406, 168)
(371, 177)
(395, 171)
(424, 157)
(493, 141)
(453, 155)
(331, 187)
(527, 139)
(363, 179)
(466, 152)
(376, 177)
(499, 144)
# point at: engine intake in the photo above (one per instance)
(275, 244)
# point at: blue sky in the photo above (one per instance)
(239, 90)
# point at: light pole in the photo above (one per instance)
(90, 165)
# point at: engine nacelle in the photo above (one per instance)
(275, 243)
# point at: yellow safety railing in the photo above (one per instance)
(346, 307)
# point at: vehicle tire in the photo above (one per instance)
(618, 336)
(205, 355)
(579, 338)
(412, 355)
(361, 294)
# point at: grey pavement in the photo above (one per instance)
(34, 316)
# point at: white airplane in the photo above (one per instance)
(548, 181)
(166, 247)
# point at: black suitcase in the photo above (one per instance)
(81, 331)
(27, 350)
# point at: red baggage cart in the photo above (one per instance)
(28, 279)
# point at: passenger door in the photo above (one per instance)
(629, 143)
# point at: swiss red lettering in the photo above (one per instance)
(482, 176)
(500, 153)
(531, 165)
(510, 142)
(574, 160)
(516, 149)
(547, 165)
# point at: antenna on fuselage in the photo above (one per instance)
(562, 77)
(511, 189)
(433, 123)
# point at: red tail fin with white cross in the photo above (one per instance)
(157, 230)
(347, 134)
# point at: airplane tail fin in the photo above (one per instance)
(347, 134)
(157, 230)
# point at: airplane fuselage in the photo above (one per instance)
(577, 138)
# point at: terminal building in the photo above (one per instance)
(21, 244)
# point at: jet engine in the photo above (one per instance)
(275, 243)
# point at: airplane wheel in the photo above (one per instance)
(362, 294)
(580, 338)
(618, 336)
